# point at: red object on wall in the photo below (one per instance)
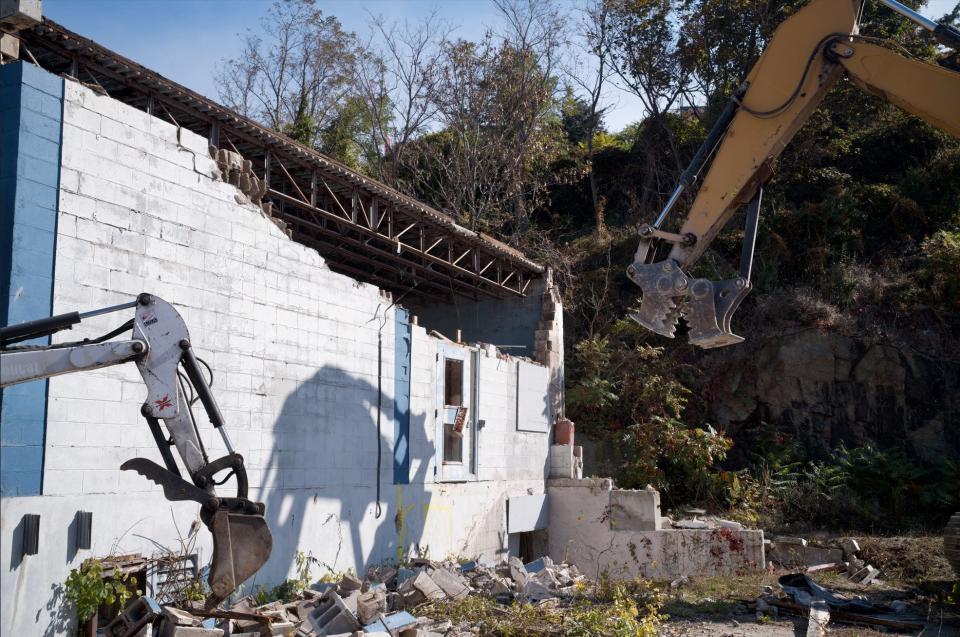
(563, 432)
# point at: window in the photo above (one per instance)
(452, 382)
(452, 445)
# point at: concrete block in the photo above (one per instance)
(453, 585)
(135, 616)
(539, 564)
(635, 510)
(332, 616)
(790, 554)
(849, 546)
(16, 15)
(394, 624)
(370, 604)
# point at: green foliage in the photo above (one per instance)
(196, 591)
(616, 609)
(291, 588)
(86, 589)
(863, 488)
(630, 395)
(942, 255)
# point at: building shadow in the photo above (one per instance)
(319, 479)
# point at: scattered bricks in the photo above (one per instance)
(427, 587)
(371, 604)
(331, 617)
(396, 624)
(850, 547)
(348, 584)
(870, 575)
(452, 585)
(135, 616)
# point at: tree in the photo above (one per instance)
(647, 52)
(395, 80)
(596, 32)
(295, 74)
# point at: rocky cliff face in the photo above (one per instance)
(828, 389)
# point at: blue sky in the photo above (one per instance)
(185, 40)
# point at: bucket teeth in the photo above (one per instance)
(660, 314)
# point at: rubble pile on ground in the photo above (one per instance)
(842, 556)
(800, 595)
(382, 604)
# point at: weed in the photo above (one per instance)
(87, 589)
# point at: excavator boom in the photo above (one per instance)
(807, 54)
(161, 349)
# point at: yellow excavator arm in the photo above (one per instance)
(807, 54)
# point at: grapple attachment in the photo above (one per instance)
(707, 306)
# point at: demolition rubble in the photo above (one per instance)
(383, 604)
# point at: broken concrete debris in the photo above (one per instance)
(378, 605)
(801, 595)
(843, 557)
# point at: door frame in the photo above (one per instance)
(467, 470)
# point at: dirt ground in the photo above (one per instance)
(913, 569)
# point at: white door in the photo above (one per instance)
(456, 424)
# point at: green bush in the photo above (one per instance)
(633, 398)
(942, 253)
(86, 589)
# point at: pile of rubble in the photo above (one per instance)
(380, 605)
(844, 557)
(800, 595)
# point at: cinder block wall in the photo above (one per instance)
(295, 358)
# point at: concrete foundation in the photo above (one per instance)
(585, 531)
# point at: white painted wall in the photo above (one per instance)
(294, 352)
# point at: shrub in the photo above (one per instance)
(86, 589)
(942, 253)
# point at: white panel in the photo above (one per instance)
(533, 391)
(527, 513)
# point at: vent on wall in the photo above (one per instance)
(31, 534)
(84, 523)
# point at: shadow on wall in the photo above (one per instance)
(320, 479)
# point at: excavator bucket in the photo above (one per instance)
(241, 545)
(241, 538)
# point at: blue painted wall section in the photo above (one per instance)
(31, 123)
(401, 398)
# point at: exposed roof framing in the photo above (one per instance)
(362, 227)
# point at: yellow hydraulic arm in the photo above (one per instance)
(806, 55)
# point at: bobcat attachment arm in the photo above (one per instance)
(161, 349)
(807, 54)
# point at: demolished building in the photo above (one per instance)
(391, 378)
